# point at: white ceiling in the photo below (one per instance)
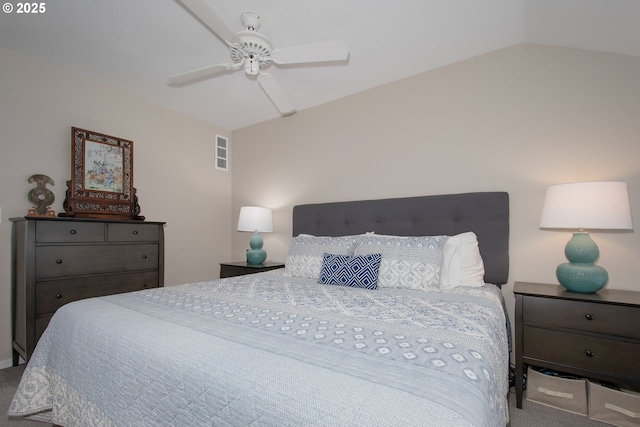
(134, 45)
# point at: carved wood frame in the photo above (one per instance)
(104, 193)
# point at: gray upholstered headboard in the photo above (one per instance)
(486, 214)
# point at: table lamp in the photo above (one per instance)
(258, 220)
(585, 205)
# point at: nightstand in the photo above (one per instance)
(594, 336)
(230, 269)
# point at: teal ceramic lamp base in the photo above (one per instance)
(581, 275)
(256, 255)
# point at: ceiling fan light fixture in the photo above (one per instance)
(251, 65)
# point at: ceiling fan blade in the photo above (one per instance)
(205, 13)
(334, 50)
(276, 94)
(202, 73)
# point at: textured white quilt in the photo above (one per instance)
(268, 350)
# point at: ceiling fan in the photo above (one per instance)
(252, 51)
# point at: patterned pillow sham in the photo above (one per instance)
(306, 252)
(355, 271)
(407, 262)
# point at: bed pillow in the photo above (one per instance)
(407, 262)
(305, 254)
(462, 263)
(350, 270)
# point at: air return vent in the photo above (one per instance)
(222, 153)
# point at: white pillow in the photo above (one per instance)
(462, 264)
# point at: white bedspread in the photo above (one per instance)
(268, 350)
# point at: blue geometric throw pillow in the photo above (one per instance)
(355, 271)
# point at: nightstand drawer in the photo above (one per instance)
(607, 319)
(582, 351)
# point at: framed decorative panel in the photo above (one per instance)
(222, 153)
(101, 184)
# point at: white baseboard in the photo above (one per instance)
(7, 363)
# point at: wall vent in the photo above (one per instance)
(222, 153)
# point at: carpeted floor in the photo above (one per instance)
(531, 415)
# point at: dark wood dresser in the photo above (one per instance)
(230, 269)
(593, 336)
(59, 260)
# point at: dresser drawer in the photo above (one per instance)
(607, 319)
(602, 355)
(53, 294)
(132, 232)
(62, 261)
(69, 232)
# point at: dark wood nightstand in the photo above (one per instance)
(590, 335)
(230, 269)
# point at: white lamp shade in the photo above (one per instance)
(587, 205)
(253, 218)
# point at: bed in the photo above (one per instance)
(406, 327)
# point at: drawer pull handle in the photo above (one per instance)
(73, 231)
(589, 317)
(555, 393)
(58, 261)
(623, 411)
(58, 296)
(590, 353)
(135, 231)
(144, 257)
(144, 285)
